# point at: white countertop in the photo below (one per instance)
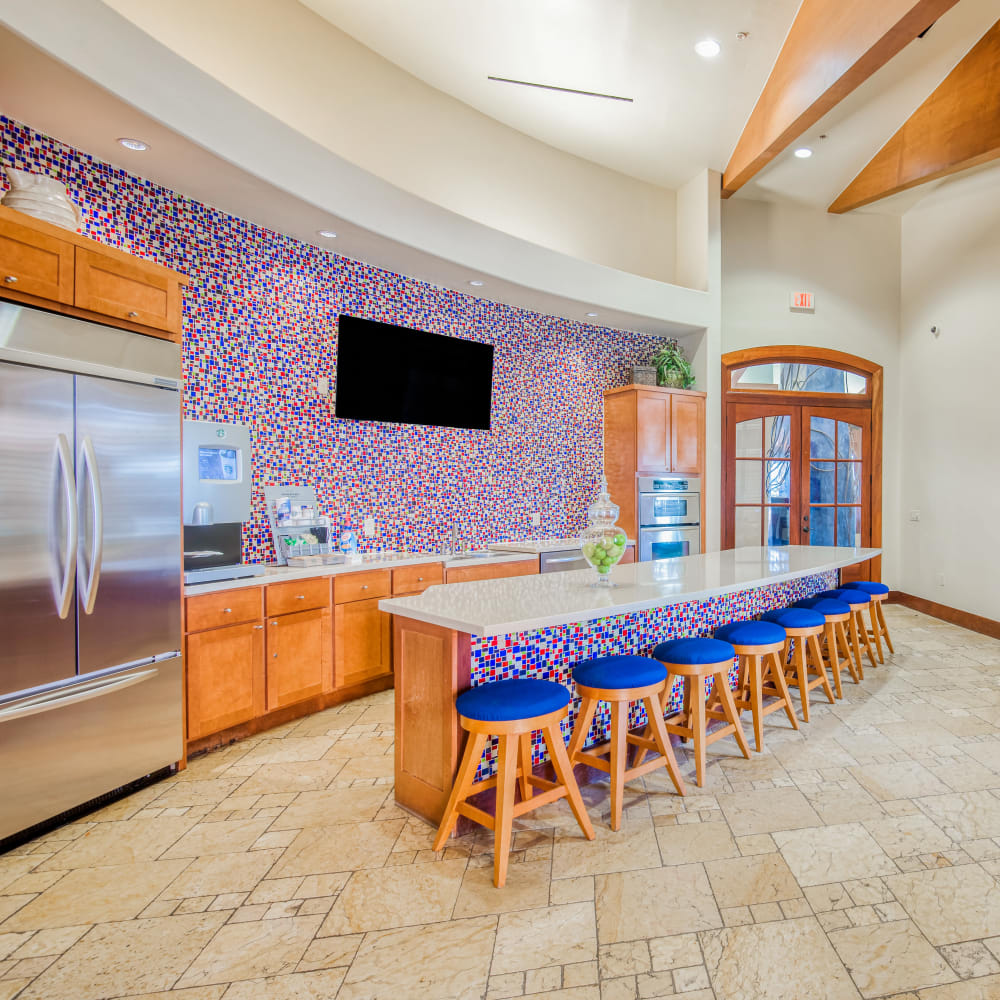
(540, 545)
(278, 574)
(518, 604)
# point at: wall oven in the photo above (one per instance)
(669, 516)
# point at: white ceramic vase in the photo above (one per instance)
(42, 198)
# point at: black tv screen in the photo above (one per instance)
(402, 376)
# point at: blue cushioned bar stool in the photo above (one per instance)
(759, 646)
(879, 630)
(857, 630)
(620, 680)
(803, 660)
(695, 660)
(511, 710)
(837, 616)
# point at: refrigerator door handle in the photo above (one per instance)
(64, 468)
(89, 582)
(70, 696)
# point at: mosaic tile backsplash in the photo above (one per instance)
(260, 319)
(552, 653)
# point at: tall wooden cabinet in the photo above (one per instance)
(649, 430)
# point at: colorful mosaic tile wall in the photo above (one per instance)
(552, 653)
(260, 321)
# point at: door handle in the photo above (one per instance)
(89, 582)
(805, 523)
(79, 692)
(64, 468)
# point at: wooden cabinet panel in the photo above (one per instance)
(492, 571)
(224, 607)
(128, 289)
(628, 557)
(416, 579)
(297, 595)
(652, 432)
(362, 642)
(34, 263)
(225, 678)
(687, 434)
(299, 657)
(361, 586)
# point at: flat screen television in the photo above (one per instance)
(403, 376)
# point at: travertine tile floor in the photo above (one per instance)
(857, 858)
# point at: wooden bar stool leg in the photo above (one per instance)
(662, 739)
(882, 625)
(756, 699)
(504, 818)
(863, 634)
(526, 769)
(852, 631)
(730, 712)
(832, 657)
(697, 724)
(463, 781)
(876, 632)
(564, 774)
(619, 748)
(812, 649)
(588, 708)
(852, 648)
(778, 669)
(802, 674)
(844, 645)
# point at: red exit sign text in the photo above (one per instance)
(803, 300)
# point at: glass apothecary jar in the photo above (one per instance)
(603, 541)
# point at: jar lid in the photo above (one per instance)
(603, 508)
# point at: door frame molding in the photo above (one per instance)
(872, 398)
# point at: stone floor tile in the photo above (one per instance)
(905, 780)
(680, 845)
(501, 987)
(970, 959)
(761, 878)
(527, 887)
(618, 989)
(890, 958)
(964, 815)
(833, 854)
(120, 843)
(572, 890)
(580, 974)
(298, 986)
(987, 988)
(217, 837)
(543, 980)
(950, 904)
(665, 900)
(632, 847)
(530, 939)
(348, 847)
(908, 835)
(222, 873)
(767, 810)
(626, 959)
(424, 963)
(331, 807)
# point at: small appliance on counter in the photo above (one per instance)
(302, 537)
(216, 500)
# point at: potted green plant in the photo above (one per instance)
(672, 368)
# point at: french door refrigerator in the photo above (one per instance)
(91, 695)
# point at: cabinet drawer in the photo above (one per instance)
(227, 607)
(492, 571)
(298, 595)
(361, 586)
(127, 289)
(35, 263)
(416, 579)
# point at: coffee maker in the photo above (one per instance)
(216, 497)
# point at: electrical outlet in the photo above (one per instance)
(323, 385)
(536, 520)
(915, 514)
(940, 579)
(368, 527)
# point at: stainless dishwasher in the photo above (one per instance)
(561, 560)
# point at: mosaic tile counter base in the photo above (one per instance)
(552, 653)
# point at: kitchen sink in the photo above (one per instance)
(478, 554)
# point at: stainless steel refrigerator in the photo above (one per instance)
(91, 695)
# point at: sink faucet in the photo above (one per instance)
(457, 547)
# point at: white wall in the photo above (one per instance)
(950, 401)
(298, 67)
(851, 264)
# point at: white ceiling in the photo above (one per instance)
(687, 113)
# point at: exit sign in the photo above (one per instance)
(805, 301)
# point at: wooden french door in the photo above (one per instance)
(798, 475)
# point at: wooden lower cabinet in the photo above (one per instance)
(225, 678)
(492, 571)
(299, 657)
(362, 642)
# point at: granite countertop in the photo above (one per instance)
(278, 574)
(517, 604)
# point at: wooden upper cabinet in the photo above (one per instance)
(43, 265)
(128, 289)
(299, 657)
(653, 432)
(687, 434)
(35, 263)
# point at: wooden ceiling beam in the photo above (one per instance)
(832, 47)
(957, 127)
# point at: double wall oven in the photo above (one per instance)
(669, 516)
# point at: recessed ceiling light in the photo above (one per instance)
(135, 144)
(591, 315)
(803, 152)
(477, 283)
(327, 234)
(708, 48)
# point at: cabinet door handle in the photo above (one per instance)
(132, 314)
(10, 280)
(274, 623)
(420, 579)
(300, 597)
(227, 611)
(258, 626)
(364, 586)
